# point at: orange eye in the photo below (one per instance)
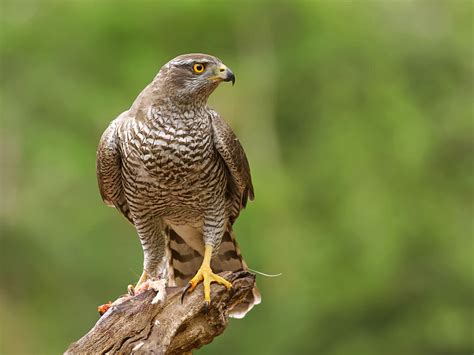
(198, 68)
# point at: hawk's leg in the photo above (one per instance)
(206, 276)
(154, 243)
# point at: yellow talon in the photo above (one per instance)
(131, 289)
(206, 275)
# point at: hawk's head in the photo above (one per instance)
(192, 77)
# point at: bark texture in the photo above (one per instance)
(134, 325)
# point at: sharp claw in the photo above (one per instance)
(207, 304)
(131, 290)
(188, 286)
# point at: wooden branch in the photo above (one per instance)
(134, 325)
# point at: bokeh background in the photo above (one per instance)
(357, 118)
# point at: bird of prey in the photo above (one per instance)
(175, 169)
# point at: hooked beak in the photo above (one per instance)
(225, 74)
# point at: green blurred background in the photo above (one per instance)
(357, 119)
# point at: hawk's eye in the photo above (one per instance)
(198, 68)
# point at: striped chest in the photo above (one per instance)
(171, 163)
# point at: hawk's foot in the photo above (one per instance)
(206, 276)
(133, 290)
(146, 283)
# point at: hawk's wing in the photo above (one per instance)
(109, 169)
(240, 187)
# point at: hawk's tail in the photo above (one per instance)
(187, 251)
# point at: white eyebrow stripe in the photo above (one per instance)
(190, 61)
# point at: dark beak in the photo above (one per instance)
(224, 74)
(229, 76)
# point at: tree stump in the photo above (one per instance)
(135, 325)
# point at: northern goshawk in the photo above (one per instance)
(175, 169)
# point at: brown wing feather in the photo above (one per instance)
(109, 169)
(240, 187)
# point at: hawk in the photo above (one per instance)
(175, 169)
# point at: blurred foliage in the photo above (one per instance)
(357, 120)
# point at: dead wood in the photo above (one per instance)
(134, 325)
